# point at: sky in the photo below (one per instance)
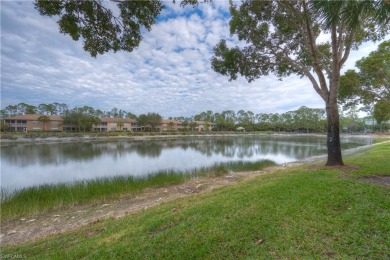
(169, 73)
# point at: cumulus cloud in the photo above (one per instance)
(168, 73)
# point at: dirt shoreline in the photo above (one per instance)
(39, 226)
(89, 138)
(93, 137)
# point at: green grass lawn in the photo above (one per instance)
(304, 212)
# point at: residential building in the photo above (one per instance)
(33, 122)
(203, 126)
(115, 124)
(170, 125)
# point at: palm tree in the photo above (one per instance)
(185, 124)
(44, 119)
(206, 125)
(352, 12)
(171, 125)
(193, 125)
(120, 125)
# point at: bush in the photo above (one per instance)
(8, 136)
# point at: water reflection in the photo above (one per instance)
(33, 164)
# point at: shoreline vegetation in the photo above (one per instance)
(101, 136)
(40, 137)
(304, 211)
(43, 198)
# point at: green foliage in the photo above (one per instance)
(349, 86)
(44, 109)
(351, 12)
(192, 125)
(44, 119)
(81, 118)
(289, 46)
(372, 82)
(153, 119)
(100, 29)
(382, 111)
(96, 23)
(304, 119)
(185, 124)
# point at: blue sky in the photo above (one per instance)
(169, 73)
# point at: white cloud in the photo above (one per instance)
(168, 73)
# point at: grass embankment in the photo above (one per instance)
(304, 212)
(44, 198)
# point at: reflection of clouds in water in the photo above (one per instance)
(28, 165)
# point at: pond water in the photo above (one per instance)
(24, 165)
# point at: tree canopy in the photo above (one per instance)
(302, 120)
(98, 26)
(370, 86)
(372, 82)
(105, 25)
(282, 37)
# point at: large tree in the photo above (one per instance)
(81, 118)
(370, 86)
(95, 22)
(105, 25)
(282, 37)
(44, 119)
(142, 121)
(372, 82)
(382, 112)
(153, 119)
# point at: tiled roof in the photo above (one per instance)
(117, 120)
(202, 122)
(33, 117)
(167, 121)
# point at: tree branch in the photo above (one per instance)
(341, 41)
(308, 74)
(313, 50)
(323, 64)
(348, 46)
(117, 21)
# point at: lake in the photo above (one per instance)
(33, 164)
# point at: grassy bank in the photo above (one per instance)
(44, 198)
(119, 134)
(304, 212)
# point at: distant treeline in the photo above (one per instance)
(304, 119)
(60, 109)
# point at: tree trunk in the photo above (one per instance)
(333, 135)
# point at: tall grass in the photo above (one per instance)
(40, 199)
